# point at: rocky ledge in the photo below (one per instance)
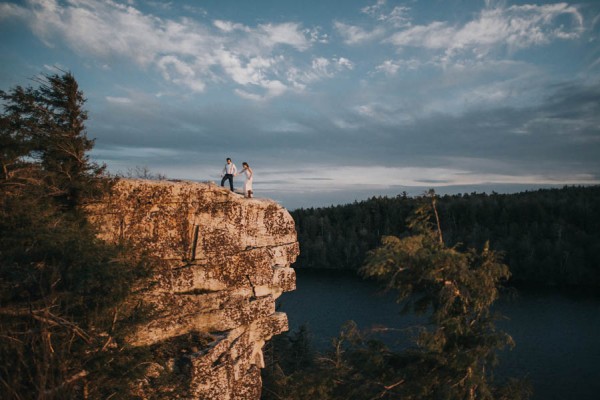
(224, 260)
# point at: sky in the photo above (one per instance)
(328, 101)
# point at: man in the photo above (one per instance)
(228, 172)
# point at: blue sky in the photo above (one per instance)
(328, 101)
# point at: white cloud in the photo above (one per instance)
(374, 9)
(274, 88)
(391, 67)
(179, 72)
(345, 63)
(320, 68)
(352, 34)
(320, 65)
(316, 36)
(269, 89)
(512, 28)
(242, 71)
(248, 96)
(288, 33)
(228, 26)
(185, 52)
(396, 17)
(8, 10)
(252, 76)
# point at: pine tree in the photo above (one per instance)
(61, 288)
(63, 142)
(18, 127)
(455, 355)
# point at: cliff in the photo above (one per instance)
(224, 260)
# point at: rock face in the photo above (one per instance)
(225, 260)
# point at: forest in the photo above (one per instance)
(547, 236)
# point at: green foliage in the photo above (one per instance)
(44, 129)
(547, 236)
(457, 289)
(62, 290)
(339, 237)
(452, 357)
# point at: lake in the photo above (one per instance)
(557, 332)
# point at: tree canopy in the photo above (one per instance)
(62, 290)
(547, 236)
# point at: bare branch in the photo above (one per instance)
(76, 377)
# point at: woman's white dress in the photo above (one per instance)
(248, 183)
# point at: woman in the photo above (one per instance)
(248, 184)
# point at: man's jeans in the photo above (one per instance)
(228, 177)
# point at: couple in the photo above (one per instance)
(229, 171)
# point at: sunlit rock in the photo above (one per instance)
(224, 259)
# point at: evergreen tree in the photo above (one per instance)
(63, 143)
(18, 127)
(62, 290)
(46, 126)
(455, 355)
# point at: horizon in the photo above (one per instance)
(411, 192)
(330, 102)
(415, 192)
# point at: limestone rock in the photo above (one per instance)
(225, 260)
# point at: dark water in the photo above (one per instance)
(557, 333)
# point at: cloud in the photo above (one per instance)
(487, 116)
(558, 143)
(373, 9)
(510, 29)
(244, 71)
(391, 67)
(346, 177)
(320, 68)
(352, 34)
(270, 89)
(228, 26)
(185, 52)
(177, 71)
(316, 36)
(397, 17)
(8, 10)
(345, 63)
(288, 33)
(571, 112)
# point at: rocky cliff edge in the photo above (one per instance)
(224, 260)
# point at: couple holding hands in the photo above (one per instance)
(230, 170)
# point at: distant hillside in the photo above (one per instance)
(549, 236)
